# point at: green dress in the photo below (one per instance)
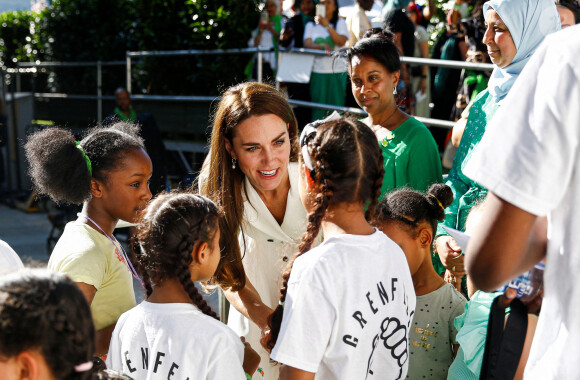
(467, 193)
(411, 158)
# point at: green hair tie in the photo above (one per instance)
(87, 159)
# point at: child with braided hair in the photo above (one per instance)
(46, 331)
(346, 306)
(108, 172)
(174, 332)
(410, 218)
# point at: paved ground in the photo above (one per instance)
(27, 233)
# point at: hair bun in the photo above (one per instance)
(384, 33)
(440, 195)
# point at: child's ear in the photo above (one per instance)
(425, 237)
(28, 365)
(96, 188)
(200, 252)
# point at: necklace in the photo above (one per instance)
(117, 245)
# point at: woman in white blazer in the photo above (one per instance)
(252, 173)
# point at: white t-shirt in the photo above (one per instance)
(319, 35)
(530, 157)
(174, 341)
(266, 247)
(348, 310)
(9, 260)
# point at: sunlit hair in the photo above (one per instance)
(223, 183)
(171, 227)
(59, 169)
(376, 44)
(409, 207)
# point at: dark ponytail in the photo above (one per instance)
(347, 168)
(170, 228)
(410, 207)
(59, 167)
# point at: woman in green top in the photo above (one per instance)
(410, 153)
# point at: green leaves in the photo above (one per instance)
(91, 30)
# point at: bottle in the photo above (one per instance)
(529, 283)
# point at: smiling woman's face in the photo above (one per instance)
(497, 37)
(261, 144)
(372, 85)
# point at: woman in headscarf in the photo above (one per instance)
(515, 28)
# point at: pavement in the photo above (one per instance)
(27, 233)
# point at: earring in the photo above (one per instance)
(394, 90)
(234, 163)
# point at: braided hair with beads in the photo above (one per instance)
(346, 166)
(168, 232)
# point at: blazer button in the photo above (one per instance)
(285, 258)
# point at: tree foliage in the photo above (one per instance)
(20, 40)
(92, 30)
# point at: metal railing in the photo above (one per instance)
(32, 68)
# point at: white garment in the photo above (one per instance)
(9, 260)
(324, 64)
(266, 42)
(174, 341)
(348, 310)
(357, 23)
(266, 246)
(530, 157)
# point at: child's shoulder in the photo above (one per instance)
(340, 251)
(446, 296)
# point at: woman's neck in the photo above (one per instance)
(390, 119)
(169, 291)
(276, 199)
(346, 218)
(426, 280)
(104, 222)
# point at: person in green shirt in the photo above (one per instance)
(411, 157)
(514, 30)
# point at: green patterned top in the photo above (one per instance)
(466, 193)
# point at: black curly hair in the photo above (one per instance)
(58, 167)
(170, 227)
(45, 311)
(348, 168)
(410, 207)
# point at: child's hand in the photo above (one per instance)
(251, 358)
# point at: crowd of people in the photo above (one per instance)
(335, 242)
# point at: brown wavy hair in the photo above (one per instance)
(348, 168)
(223, 184)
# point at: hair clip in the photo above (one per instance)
(307, 132)
(84, 367)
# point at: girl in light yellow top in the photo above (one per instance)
(108, 172)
